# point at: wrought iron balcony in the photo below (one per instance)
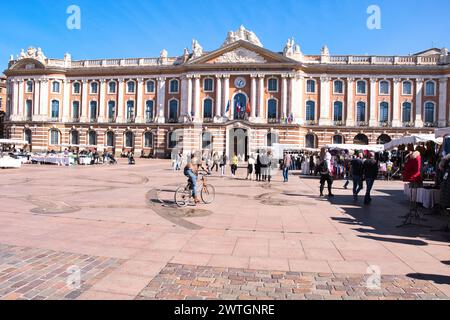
(207, 120)
(54, 119)
(131, 119)
(385, 124)
(149, 120)
(93, 120)
(29, 118)
(408, 124)
(112, 120)
(311, 122)
(362, 124)
(172, 120)
(339, 123)
(273, 120)
(75, 119)
(430, 124)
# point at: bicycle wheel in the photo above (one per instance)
(182, 197)
(208, 194)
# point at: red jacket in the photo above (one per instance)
(411, 172)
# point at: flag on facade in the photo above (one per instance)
(228, 108)
(248, 107)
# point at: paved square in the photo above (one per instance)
(119, 226)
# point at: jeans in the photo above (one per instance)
(193, 181)
(329, 180)
(357, 184)
(369, 183)
(286, 174)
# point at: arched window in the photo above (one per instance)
(28, 136)
(74, 137)
(272, 109)
(131, 86)
(384, 87)
(272, 85)
(55, 87)
(407, 88)
(430, 88)
(129, 139)
(310, 86)
(148, 140)
(29, 109)
(75, 110)
(208, 85)
(338, 139)
(310, 110)
(76, 88)
(29, 86)
(206, 140)
(173, 87)
(172, 139)
(93, 111)
(338, 111)
(173, 110)
(338, 86)
(94, 87)
(406, 112)
(361, 111)
(55, 109)
(361, 139)
(384, 112)
(207, 108)
(110, 139)
(111, 111)
(130, 111)
(310, 141)
(149, 111)
(112, 87)
(271, 138)
(383, 139)
(54, 137)
(150, 86)
(92, 138)
(361, 87)
(429, 112)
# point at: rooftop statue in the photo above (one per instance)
(242, 34)
(197, 49)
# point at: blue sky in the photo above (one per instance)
(142, 28)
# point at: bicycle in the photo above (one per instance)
(183, 195)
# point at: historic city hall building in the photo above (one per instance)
(203, 100)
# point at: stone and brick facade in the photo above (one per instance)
(210, 100)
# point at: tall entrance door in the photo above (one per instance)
(238, 139)
(240, 104)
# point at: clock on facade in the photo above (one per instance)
(239, 82)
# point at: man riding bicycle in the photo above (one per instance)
(191, 171)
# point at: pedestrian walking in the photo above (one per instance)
(286, 165)
(251, 168)
(324, 169)
(216, 160)
(370, 169)
(357, 172)
(234, 165)
(258, 168)
(223, 164)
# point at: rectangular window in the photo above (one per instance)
(361, 87)
(407, 88)
(310, 86)
(273, 85)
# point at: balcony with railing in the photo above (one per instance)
(93, 119)
(111, 119)
(208, 120)
(385, 124)
(311, 122)
(339, 123)
(273, 120)
(75, 119)
(362, 124)
(172, 120)
(430, 124)
(408, 124)
(149, 120)
(131, 119)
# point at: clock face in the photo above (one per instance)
(239, 83)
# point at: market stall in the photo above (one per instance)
(13, 159)
(414, 139)
(355, 147)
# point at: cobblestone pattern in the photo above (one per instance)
(38, 274)
(184, 282)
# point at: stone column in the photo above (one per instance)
(324, 119)
(350, 107)
(442, 118)
(84, 104)
(418, 122)
(161, 98)
(298, 103)
(120, 107)
(102, 104)
(139, 101)
(261, 115)
(373, 103)
(284, 92)
(197, 103)
(396, 122)
(226, 96)
(253, 97)
(43, 101)
(37, 89)
(14, 105)
(189, 97)
(66, 101)
(218, 102)
(21, 112)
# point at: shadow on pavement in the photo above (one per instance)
(439, 279)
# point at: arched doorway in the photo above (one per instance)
(238, 143)
(361, 139)
(28, 138)
(383, 139)
(240, 105)
(310, 141)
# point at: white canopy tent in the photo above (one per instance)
(13, 142)
(371, 147)
(413, 139)
(440, 133)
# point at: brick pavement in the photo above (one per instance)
(188, 282)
